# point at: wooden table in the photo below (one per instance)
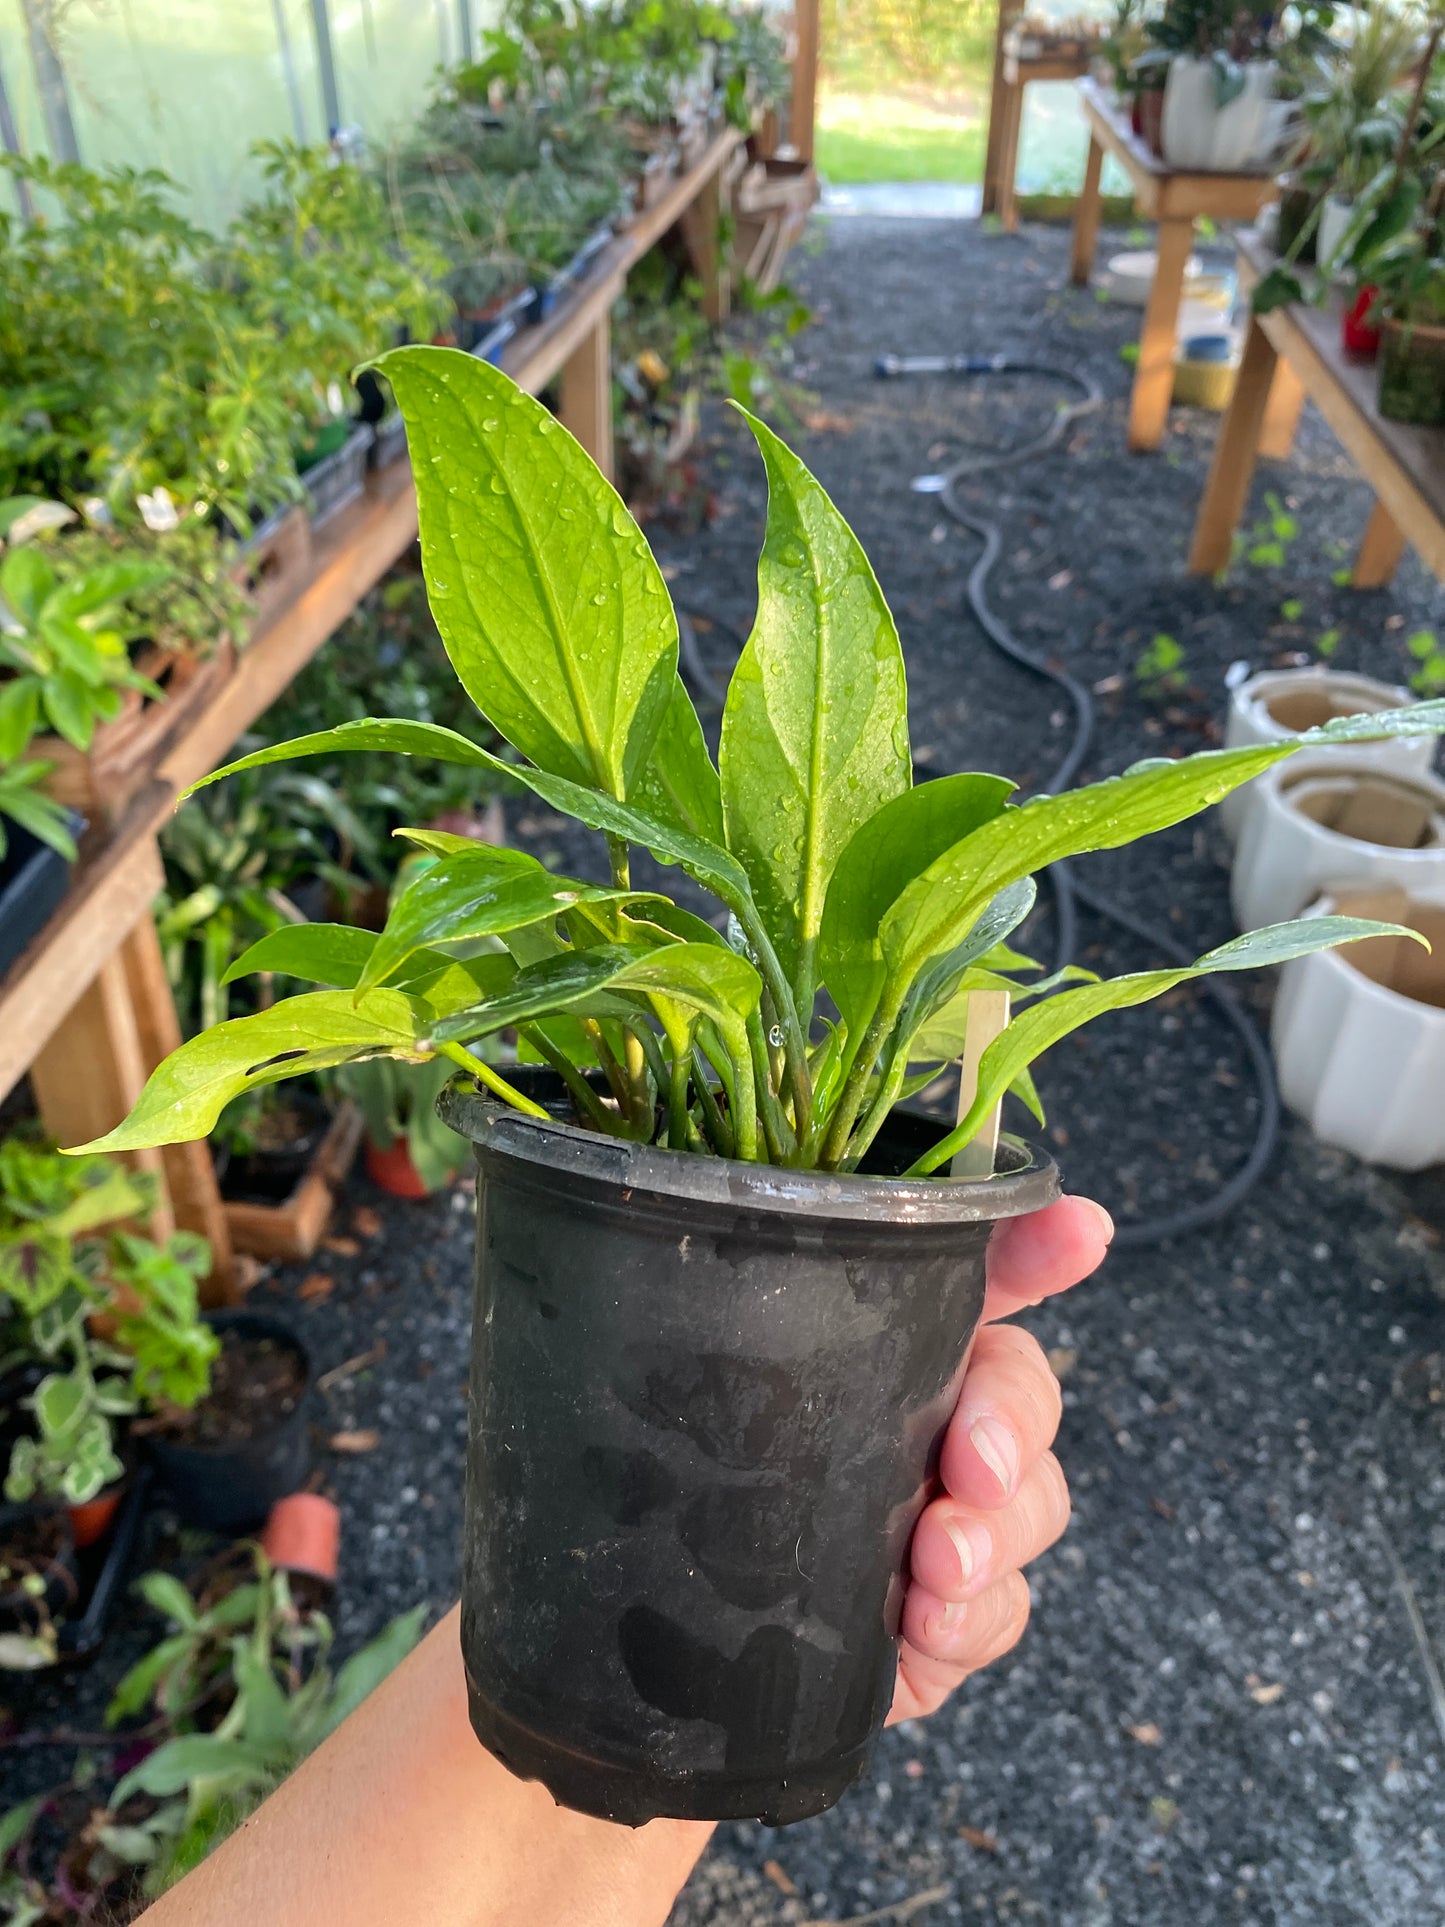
(1175, 202)
(87, 1009)
(1300, 347)
(1017, 68)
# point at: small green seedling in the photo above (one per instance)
(830, 871)
(1159, 670)
(1429, 678)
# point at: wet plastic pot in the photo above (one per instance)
(706, 1400)
(232, 1488)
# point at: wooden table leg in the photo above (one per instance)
(1380, 550)
(1282, 413)
(190, 1174)
(1154, 375)
(1086, 218)
(1235, 451)
(1008, 12)
(701, 226)
(587, 393)
(91, 1072)
(1009, 157)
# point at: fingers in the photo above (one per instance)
(958, 1553)
(944, 1642)
(1032, 1258)
(1007, 1415)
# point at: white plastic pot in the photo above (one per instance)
(1359, 1035)
(1281, 703)
(1325, 820)
(1201, 137)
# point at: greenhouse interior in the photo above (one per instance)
(596, 600)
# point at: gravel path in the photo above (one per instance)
(1220, 1713)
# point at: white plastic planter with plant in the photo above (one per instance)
(1281, 703)
(710, 1246)
(1335, 819)
(1359, 1034)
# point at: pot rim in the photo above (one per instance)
(1342, 765)
(687, 1176)
(1361, 986)
(1433, 331)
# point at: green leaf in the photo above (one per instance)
(318, 953)
(892, 848)
(479, 893)
(265, 1718)
(19, 714)
(553, 611)
(15, 1824)
(169, 1597)
(678, 782)
(705, 977)
(194, 1756)
(815, 730)
(1032, 1033)
(1414, 719)
(704, 861)
(59, 1402)
(186, 1093)
(939, 907)
(133, 1694)
(364, 1671)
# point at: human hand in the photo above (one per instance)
(1005, 1500)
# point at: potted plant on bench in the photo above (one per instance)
(725, 1285)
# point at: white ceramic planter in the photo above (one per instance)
(1359, 1036)
(1282, 703)
(1202, 137)
(1324, 820)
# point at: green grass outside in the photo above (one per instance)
(895, 136)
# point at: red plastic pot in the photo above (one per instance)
(89, 1523)
(393, 1170)
(1361, 337)
(303, 1535)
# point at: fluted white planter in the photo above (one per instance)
(1282, 703)
(1359, 1036)
(1201, 137)
(1322, 820)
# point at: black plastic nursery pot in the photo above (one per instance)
(33, 880)
(231, 1487)
(706, 1402)
(338, 477)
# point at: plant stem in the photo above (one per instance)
(745, 1110)
(855, 1089)
(607, 1058)
(713, 1121)
(795, 1045)
(587, 1100)
(635, 1062)
(889, 1087)
(650, 1054)
(677, 1105)
(782, 1145)
(493, 1080)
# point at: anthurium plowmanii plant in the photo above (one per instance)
(856, 912)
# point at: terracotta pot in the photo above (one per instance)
(89, 1523)
(1360, 335)
(303, 1535)
(393, 1171)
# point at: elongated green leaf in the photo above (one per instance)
(704, 977)
(186, 1093)
(1412, 719)
(196, 1756)
(15, 1824)
(1032, 1033)
(364, 1671)
(318, 953)
(678, 783)
(551, 607)
(705, 862)
(478, 893)
(815, 731)
(892, 848)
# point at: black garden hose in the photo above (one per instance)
(1068, 892)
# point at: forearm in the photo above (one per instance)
(401, 1815)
